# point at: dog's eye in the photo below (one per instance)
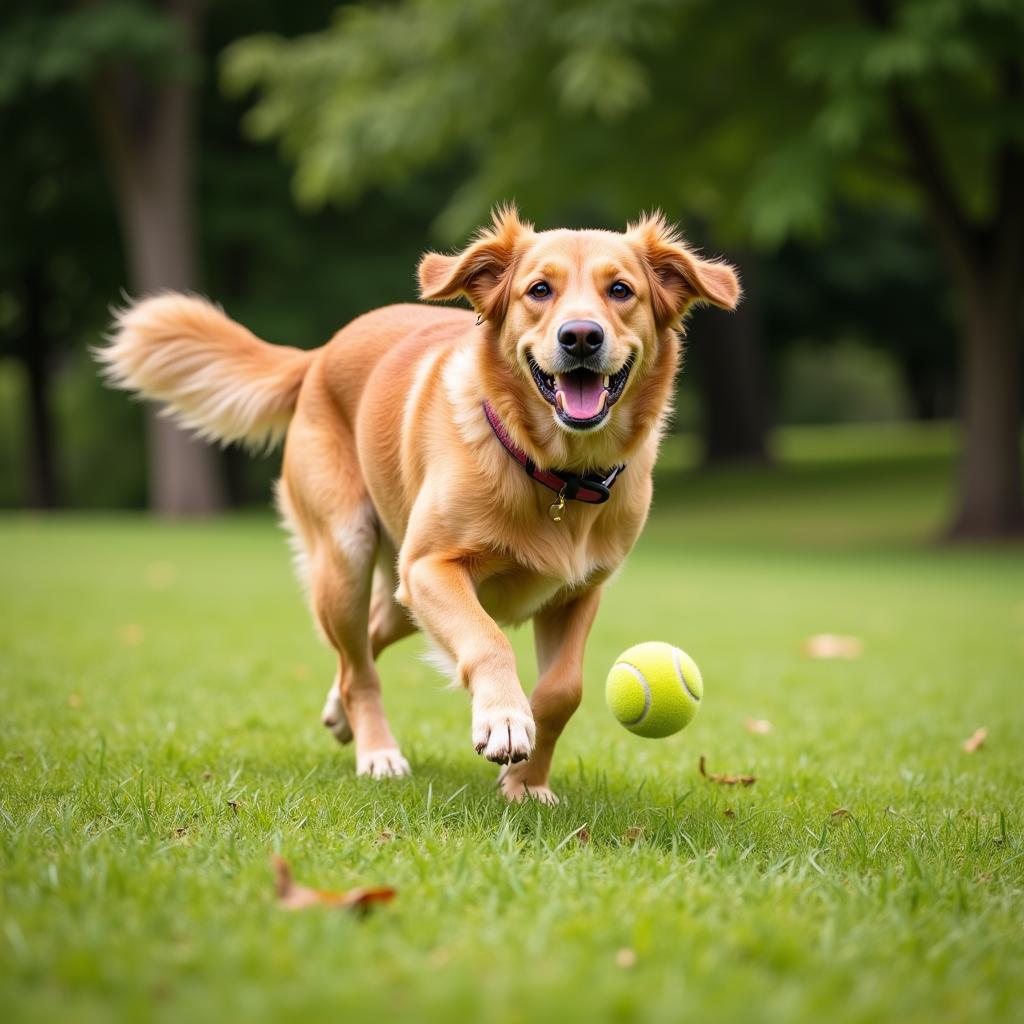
(620, 290)
(540, 290)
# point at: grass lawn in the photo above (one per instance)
(160, 738)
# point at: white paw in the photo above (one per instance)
(517, 789)
(383, 764)
(503, 735)
(333, 716)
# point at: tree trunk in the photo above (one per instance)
(36, 355)
(147, 128)
(728, 361)
(990, 503)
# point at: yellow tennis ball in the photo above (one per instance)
(654, 689)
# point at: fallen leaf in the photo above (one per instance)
(634, 833)
(839, 812)
(384, 837)
(726, 780)
(131, 635)
(831, 645)
(583, 835)
(292, 896)
(74, 701)
(758, 726)
(625, 958)
(976, 740)
(729, 812)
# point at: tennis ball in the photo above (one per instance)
(654, 689)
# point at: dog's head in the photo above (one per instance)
(584, 322)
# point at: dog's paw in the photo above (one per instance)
(515, 787)
(383, 764)
(334, 718)
(502, 734)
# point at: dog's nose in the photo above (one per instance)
(581, 338)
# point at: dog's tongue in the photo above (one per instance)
(582, 393)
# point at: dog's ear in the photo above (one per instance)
(678, 277)
(483, 270)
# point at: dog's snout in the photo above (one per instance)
(581, 338)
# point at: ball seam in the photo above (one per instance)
(645, 686)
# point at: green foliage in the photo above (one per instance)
(753, 117)
(161, 686)
(48, 44)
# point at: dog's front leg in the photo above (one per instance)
(560, 636)
(440, 593)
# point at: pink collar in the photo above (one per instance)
(592, 488)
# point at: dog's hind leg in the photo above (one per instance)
(338, 536)
(389, 621)
(341, 584)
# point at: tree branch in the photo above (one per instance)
(955, 231)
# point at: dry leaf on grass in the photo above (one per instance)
(831, 645)
(131, 635)
(634, 832)
(583, 835)
(729, 812)
(758, 726)
(839, 812)
(292, 896)
(976, 740)
(725, 780)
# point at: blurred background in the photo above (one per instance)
(862, 162)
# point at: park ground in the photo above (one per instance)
(160, 740)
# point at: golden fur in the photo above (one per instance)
(404, 507)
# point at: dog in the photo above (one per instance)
(455, 471)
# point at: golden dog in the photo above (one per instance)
(455, 471)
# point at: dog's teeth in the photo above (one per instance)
(603, 402)
(559, 401)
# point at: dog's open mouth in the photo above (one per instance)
(581, 397)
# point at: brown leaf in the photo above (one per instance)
(758, 726)
(839, 812)
(131, 635)
(292, 896)
(634, 832)
(583, 835)
(726, 780)
(625, 958)
(831, 645)
(385, 836)
(976, 740)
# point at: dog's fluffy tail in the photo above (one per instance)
(215, 376)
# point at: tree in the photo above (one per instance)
(147, 124)
(753, 118)
(137, 61)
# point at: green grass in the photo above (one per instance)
(161, 686)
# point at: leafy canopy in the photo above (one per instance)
(753, 117)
